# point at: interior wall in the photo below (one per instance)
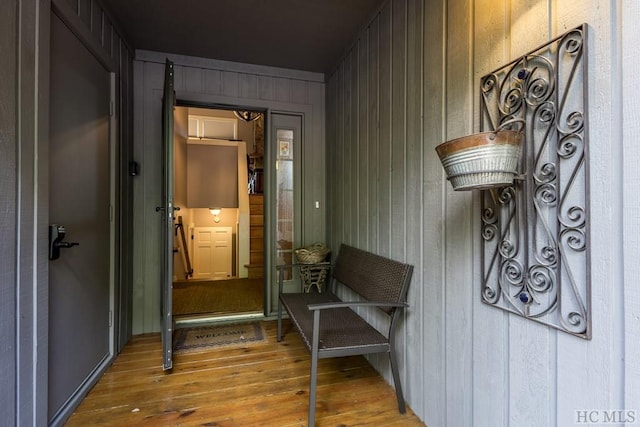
(24, 128)
(229, 217)
(410, 82)
(215, 83)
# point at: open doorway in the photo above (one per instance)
(218, 258)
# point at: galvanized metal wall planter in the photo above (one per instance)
(535, 231)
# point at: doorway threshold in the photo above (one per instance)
(206, 319)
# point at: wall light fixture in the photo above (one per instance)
(216, 214)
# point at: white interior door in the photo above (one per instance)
(212, 252)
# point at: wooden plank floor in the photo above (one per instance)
(264, 384)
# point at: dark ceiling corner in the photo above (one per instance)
(309, 35)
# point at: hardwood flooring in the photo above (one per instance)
(257, 385)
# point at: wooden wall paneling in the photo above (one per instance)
(373, 140)
(152, 172)
(97, 21)
(266, 89)
(212, 82)
(432, 321)
(530, 344)
(593, 367)
(314, 178)
(459, 218)
(81, 20)
(399, 153)
(396, 223)
(338, 159)
(282, 89)
(9, 67)
(384, 142)
(331, 137)
(73, 5)
(491, 344)
(341, 148)
(362, 225)
(333, 108)
(107, 36)
(126, 194)
(413, 327)
(193, 79)
(24, 38)
(299, 92)
(248, 85)
(179, 77)
(345, 128)
(345, 150)
(153, 194)
(630, 93)
(139, 214)
(84, 12)
(353, 164)
(475, 354)
(230, 83)
(117, 47)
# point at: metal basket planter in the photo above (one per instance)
(482, 160)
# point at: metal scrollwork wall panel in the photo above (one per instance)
(535, 233)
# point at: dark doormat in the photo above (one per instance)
(202, 338)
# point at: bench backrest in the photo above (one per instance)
(372, 276)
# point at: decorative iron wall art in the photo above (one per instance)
(535, 233)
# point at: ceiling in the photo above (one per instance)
(309, 35)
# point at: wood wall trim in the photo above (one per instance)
(215, 64)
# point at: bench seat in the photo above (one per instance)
(342, 332)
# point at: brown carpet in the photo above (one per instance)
(216, 297)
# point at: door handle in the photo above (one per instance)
(56, 241)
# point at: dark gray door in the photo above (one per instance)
(168, 102)
(80, 291)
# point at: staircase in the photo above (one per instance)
(256, 236)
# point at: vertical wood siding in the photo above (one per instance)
(409, 82)
(214, 83)
(23, 286)
(627, 17)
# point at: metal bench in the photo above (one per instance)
(329, 327)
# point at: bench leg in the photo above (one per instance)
(279, 337)
(313, 378)
(280, 279)
(396, 381)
